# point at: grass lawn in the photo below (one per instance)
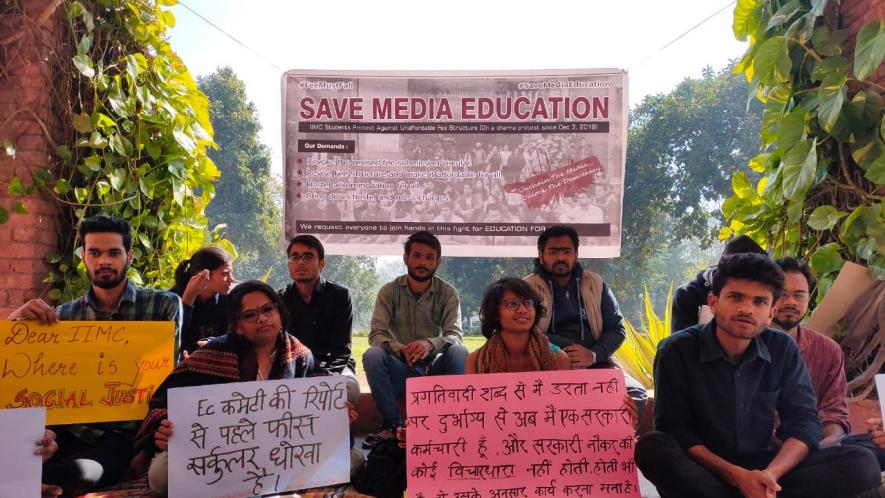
(359, 345)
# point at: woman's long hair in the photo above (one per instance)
(208, 258)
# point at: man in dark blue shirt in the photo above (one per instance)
(717, 389)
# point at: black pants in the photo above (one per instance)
(79, 468)
(836, 472)
(864, 441)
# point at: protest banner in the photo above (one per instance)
(562, 433)
(484, 160)
(84, 371)
(254, 438)
(20, 468)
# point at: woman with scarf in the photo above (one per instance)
(203, 281)
(509, 313)
(256, 347)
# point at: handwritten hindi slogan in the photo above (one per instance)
(520, 435)
(84, 371)
(20, 468)
(253, 438)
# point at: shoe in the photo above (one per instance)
(379, 436)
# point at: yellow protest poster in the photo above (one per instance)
(84, 371)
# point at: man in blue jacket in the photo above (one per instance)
(582, 314)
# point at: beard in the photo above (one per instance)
(786, 323)
(108, 283)
(788, 318)
(561, 269)
(421, 278)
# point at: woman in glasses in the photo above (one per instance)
(256, 347)
(203, 282)
(509, 313)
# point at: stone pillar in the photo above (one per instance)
(32, 33)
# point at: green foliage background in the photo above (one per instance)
(138, 133)
(822, 161)
(683, 148)
(243, 200)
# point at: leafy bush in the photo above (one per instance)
(637, 354)
(136, 132)
(823, 137)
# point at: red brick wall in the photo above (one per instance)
(854, 15)
(27, 51)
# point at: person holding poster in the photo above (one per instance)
(717, 388)
(203, 281)
(256, 347)
(581, 312)
(46, 448)
(97, 455)
(320, 312)
(509, 313)
(416, 330)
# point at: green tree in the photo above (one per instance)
(823, 150)
(359, 274)
(683, 147)
(136, 130)
(823, 137)
(243, 201)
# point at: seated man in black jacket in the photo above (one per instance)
(690, 300)
(581, 314)
(320, 311)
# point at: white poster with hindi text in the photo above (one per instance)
(254, 438)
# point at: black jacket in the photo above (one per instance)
(689, 298)
(324, 325)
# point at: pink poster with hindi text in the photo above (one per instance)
(520, 435)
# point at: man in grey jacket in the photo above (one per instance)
(416, 329)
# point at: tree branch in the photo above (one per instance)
(41, 19)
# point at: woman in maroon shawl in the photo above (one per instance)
(256, 347)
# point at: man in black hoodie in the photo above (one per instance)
(690, 300)
(582, 314)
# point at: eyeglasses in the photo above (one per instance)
(514, 304)
(306, 257)
(800, 296)
(267, 310)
